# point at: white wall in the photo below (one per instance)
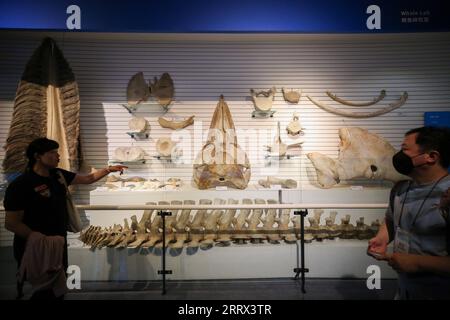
(355, 67)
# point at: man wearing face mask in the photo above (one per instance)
(417, 219)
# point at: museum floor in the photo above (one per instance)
(249, 289)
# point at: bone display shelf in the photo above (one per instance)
(165, 158)
(143, 161)
(153, 106)
(270, 157)
(262, 114)
(341, 194)
(185, 193)
(140, 135)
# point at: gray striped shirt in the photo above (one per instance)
(429, 233)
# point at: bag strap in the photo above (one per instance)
(63, 180)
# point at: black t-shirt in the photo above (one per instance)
(43, 201)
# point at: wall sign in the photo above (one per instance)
(278, 16)
(437, 119)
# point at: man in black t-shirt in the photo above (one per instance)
(36, 200)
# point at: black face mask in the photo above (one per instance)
(403, 163)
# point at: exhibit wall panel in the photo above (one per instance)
(355, 67)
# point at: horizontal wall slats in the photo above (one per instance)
(203, 67)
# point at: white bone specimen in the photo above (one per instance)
(121, 236)
(134, 182)
(296, 220)
(111, 234)
(116, 239)
(278, 148)
(374, 226)
(163, 89)
(286, 233)
(389, 108)
(253, 223)
(110, 186)
(312, 230)
(357, 104)
(138, 124)
(263, 99)
(146, 221)
(84, 233)
(145, 225)
(361, 155)
(176, 125)
(221, 162)
(165, 146)
(196, 229)
(225, 225)
(333, 229)
(137, 89)
(115, 181)
(153, 184)
(127, 154)
(134, 223)
(92, 235)
(103, 238)
(173, 183)
(135, 179)
(181, 234)
(270, 224)
(294, 127)
(170, 224)
(141, 229)
(102, 235)
(210, 225)
(292, 96)
(239, 224)
(284, 183)
(140, 238)
(129, 234)
(46, 104)
(321, 231)
(363, 231)
(155, 228)
(347, 229)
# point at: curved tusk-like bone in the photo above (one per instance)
(387, 109)
(175, 125)
(357, 104)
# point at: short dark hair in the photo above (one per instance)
(39, 146)
(434, 138)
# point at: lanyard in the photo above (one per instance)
(423, 202)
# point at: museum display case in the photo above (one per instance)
(235, 143)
